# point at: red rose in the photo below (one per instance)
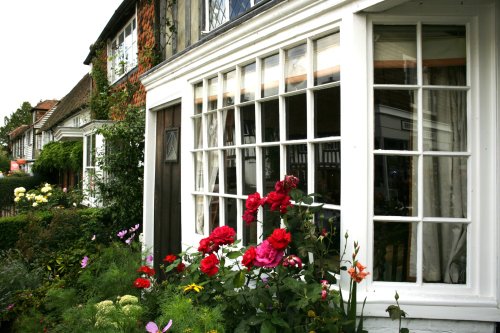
(253, 202)
(170, 258)
(180, 267)
(223, 235)
(248, 257)
(208, 265)
(207, 245)
(278, 201)
(284, 186)
(280, 239)
(142, 283)
(249, 216)
(147, 270)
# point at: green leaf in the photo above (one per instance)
(234, 254)
(239, 279)
(279, 321)
(267, 327)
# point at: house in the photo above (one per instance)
(18, 143)
(387, 108)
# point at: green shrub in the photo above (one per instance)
(10, 227)
(8, 184)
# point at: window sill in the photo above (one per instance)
(124, 77)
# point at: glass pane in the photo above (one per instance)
(295, 68)
(328, 224)
(296, 164)
(445, 186)
(270, 117)
(270, 76)
(212, 93)
(395, 53)
(217, 13)
(271, 168)
(229, 129)
(296, 117)
(228, 88)
(327, 59)
(249, 171)
(213, 171)
(444, 55)
(238, 7)
(395, 186)
(445, 120)
(396, 119)
(198, 164)
(249, 234)
(248, 83)
(231, 212)
(199, 211)
(247, 115)
(230, 171)
(198, 98)
(213, 217)
(198, 133)
(327, 112)
(445, 253)
(327, 175)
(271, 221)
(212, 129)
(395, 252)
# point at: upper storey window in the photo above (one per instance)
(122, 51)
(222, 11)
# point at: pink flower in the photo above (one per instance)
(153, 328)
(122, 233)
(267, 256)
(292, 261)
(85, 261)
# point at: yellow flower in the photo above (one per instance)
(17, 199)
(212, 331)
(35, 204)
(311, 314)
(194, 287)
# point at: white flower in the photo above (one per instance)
(18, 190)
(21, 194)
(35, 204)
(46, 188)
(128, 299)
(17, 199)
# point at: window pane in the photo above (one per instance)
(248, 82)
(395, 188)
(213, 217)
(327, 59)
(327, 175)
(228, 89)
(296, 164)
(198, 160)
(212, 93)
(395, 119)
(295, 68)
(250, 234)
(271, 221)
(198, 98)
(296, 117)
(270, 121)
(247, 115)
(213, 171)
(328, 224)
(228, 127)
(445, 186)
(445, 253)
(199, 211)
(217, 13)
(445, 120)
(327, 112)
(231, 212)
(395, 53)
(238, 7)
(271, 168)
(395, 252)
(249, 171)
(444, 55)
(270, 76)
(212, 129)
(230, 171)
(198, 133)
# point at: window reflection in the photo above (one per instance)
(296, 164)
(231, 212)
(213, 217)
(229, 156)
(327, 59)
(228, 88)
(270, 121)
(249, 171)
(327, 112)
(296, 117)
(247, 116)
(271, 168)
(270, 76)
(295, 68)
(248, 82)
(327, 173)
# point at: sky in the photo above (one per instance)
(44, 44)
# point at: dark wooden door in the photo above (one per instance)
(167, 215)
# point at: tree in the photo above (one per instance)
(22, 116)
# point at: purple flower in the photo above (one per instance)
(134, 228)
(149, 259)
(85, 261)
(129, 240)
(153, 328)
(10, 307)
(122, 233)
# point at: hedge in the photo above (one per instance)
(9, 230)
(8, 184)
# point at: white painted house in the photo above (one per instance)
(388, 108)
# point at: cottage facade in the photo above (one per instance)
(388, 109)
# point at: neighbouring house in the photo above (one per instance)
(26, 140)
(387, 108)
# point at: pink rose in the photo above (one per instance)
(267, 256)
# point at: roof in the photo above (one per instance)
(74, 101)
(18, 131)
(45, 105)
(122, 14)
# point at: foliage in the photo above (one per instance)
(45, 197)
(396, 313)
(8, 184)
(4, 161)
(59, 155)
(99, 103)
(121, 183)
(22, 116)
(11, 226)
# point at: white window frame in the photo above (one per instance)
(118, 58)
